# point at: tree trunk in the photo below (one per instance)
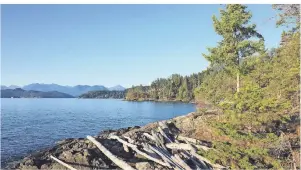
(237, 82)
(119, 162)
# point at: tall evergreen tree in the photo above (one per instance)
(240, 39)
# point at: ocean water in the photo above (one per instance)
(28, 125)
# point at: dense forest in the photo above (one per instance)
(174, 88)
(104, 94)
(254, 90)
(20, 93)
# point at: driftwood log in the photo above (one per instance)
(122, 164)
(134, 147)
(163, 148)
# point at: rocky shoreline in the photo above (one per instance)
(81, 153)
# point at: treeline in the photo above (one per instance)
(104, 94)
(174, 88)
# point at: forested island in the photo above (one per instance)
(20, 93)
(174, 88)
(101, 94)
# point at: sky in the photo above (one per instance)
(111, 44)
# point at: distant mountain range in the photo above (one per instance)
(71, 90)
(20, 93)
(117, 88)
(9, 87)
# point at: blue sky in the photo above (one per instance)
(111, 44)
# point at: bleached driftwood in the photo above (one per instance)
(122, 141)
(191, 140)
(181, 162)
(193, 152)
(125, 148)
(215, 166)
(122, 164)
(149, 151)
(168, 155)
(167, 158)
(203, 161)
(164, 135)
(179, 146)
(162, 156)
(159, 140)
(62, 163)
(163, 125)
(195, 142)
(134, 147)
(149, 136)
(129, 139)
(164, 149)
(205, 148)
(197, 164)
(200, 164)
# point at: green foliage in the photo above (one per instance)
(104, 94)
(269, 92)
(174, 88)
(236, 43)
(216, 87)
(252, 99)
(138, 93)
(242, 156)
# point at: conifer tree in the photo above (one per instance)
(239, 39)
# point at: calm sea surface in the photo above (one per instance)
(31, 124)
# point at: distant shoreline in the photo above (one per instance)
(153, 100)
(159, 101)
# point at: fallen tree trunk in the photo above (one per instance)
(195, 142)
(164, 135)
(185, 146)
(167, 158)
(182, 163)
(129, 139)
(215, 166)
(158, 139)
(122, 164)
(149, 151)
(180, 146)
(134, 147)
(126, 148)
(149, 137)
(123, 141)
(191, 140)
